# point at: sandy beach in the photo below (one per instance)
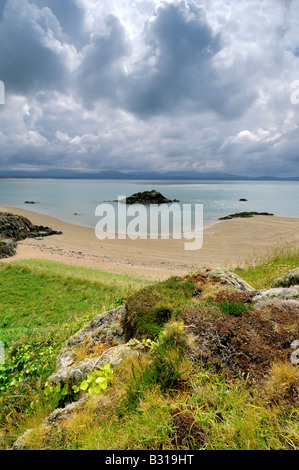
(229, 243)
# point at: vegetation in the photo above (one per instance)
(260, 271)
(160, 400)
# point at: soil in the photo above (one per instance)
(189, 433)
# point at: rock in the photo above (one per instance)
(64, 413)
(285, 293)
(31, 202)
(19, 228)
(288, 280)
(16, 228)
(295, 354)
(8, 248)
(148, 197)
(107, 328)
(242, 199)
(244, 215)
(226, 277)
(22, 442)
(76, 373)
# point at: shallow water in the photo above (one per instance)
(75, 201)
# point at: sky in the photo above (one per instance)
(149, 85)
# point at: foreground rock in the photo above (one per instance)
(285, 293)
(14, 228)
(8, 248)
(148, 197)
(103, 341)
(288, 280)
(226, 277)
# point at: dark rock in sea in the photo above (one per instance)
(31, 202)
(148, 197)
(14, 228)
(243, 199)
(244, 215)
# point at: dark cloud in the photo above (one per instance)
(27, 62)
(101, 73)
(177, 67)
(70, 17)
(194, 84)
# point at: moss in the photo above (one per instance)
(152, 307)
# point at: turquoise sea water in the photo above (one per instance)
(75, 201)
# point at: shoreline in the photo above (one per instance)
(228, 243)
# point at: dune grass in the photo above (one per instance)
(260, 271)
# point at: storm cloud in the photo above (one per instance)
(146, 85)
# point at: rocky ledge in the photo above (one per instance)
(244, 215)
(14, 228)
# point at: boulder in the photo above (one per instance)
(14, 228)
(106, 329)
(8, 248)
(288, 280)
(19, 228)
(226, 277)
(76, 373)
(285, 293)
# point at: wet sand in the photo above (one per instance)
(229, 243)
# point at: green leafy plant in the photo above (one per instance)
(26, 362)
(96, 381)
(56, 394)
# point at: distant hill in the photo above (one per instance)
(141, 175)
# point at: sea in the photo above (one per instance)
(76, 201)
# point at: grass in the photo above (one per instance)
(156, 402)
(45, 298)
(260, 271)
(152, 307)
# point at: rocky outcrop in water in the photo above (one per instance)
(244, 215)
(148, 197)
